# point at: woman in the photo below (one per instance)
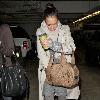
(7, 43)
(60, 33)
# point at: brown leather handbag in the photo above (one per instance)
(63, 74)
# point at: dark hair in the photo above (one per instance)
(50, 10)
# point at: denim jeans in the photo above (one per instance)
(49, 90)
(7, 98)
(51, 97)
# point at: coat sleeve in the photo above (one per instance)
(7, 40)
(42, 55)
(68, 38)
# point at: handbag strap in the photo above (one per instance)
(4, 58)
(73, 58)
(51, 58)
(63, 58)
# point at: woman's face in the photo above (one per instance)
(51, 22)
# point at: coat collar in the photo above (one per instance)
(45, 29)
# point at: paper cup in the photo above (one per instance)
(44, 40)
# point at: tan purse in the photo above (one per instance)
(63, 74)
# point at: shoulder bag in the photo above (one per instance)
(63, 74)
(14, 81)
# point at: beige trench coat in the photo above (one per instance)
(44, 56)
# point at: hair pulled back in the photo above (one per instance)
(50, 10)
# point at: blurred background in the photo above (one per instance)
(83, 17)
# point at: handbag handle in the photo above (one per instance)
(51, 59)
(63, 59)
(73, 58)
(4, 58)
